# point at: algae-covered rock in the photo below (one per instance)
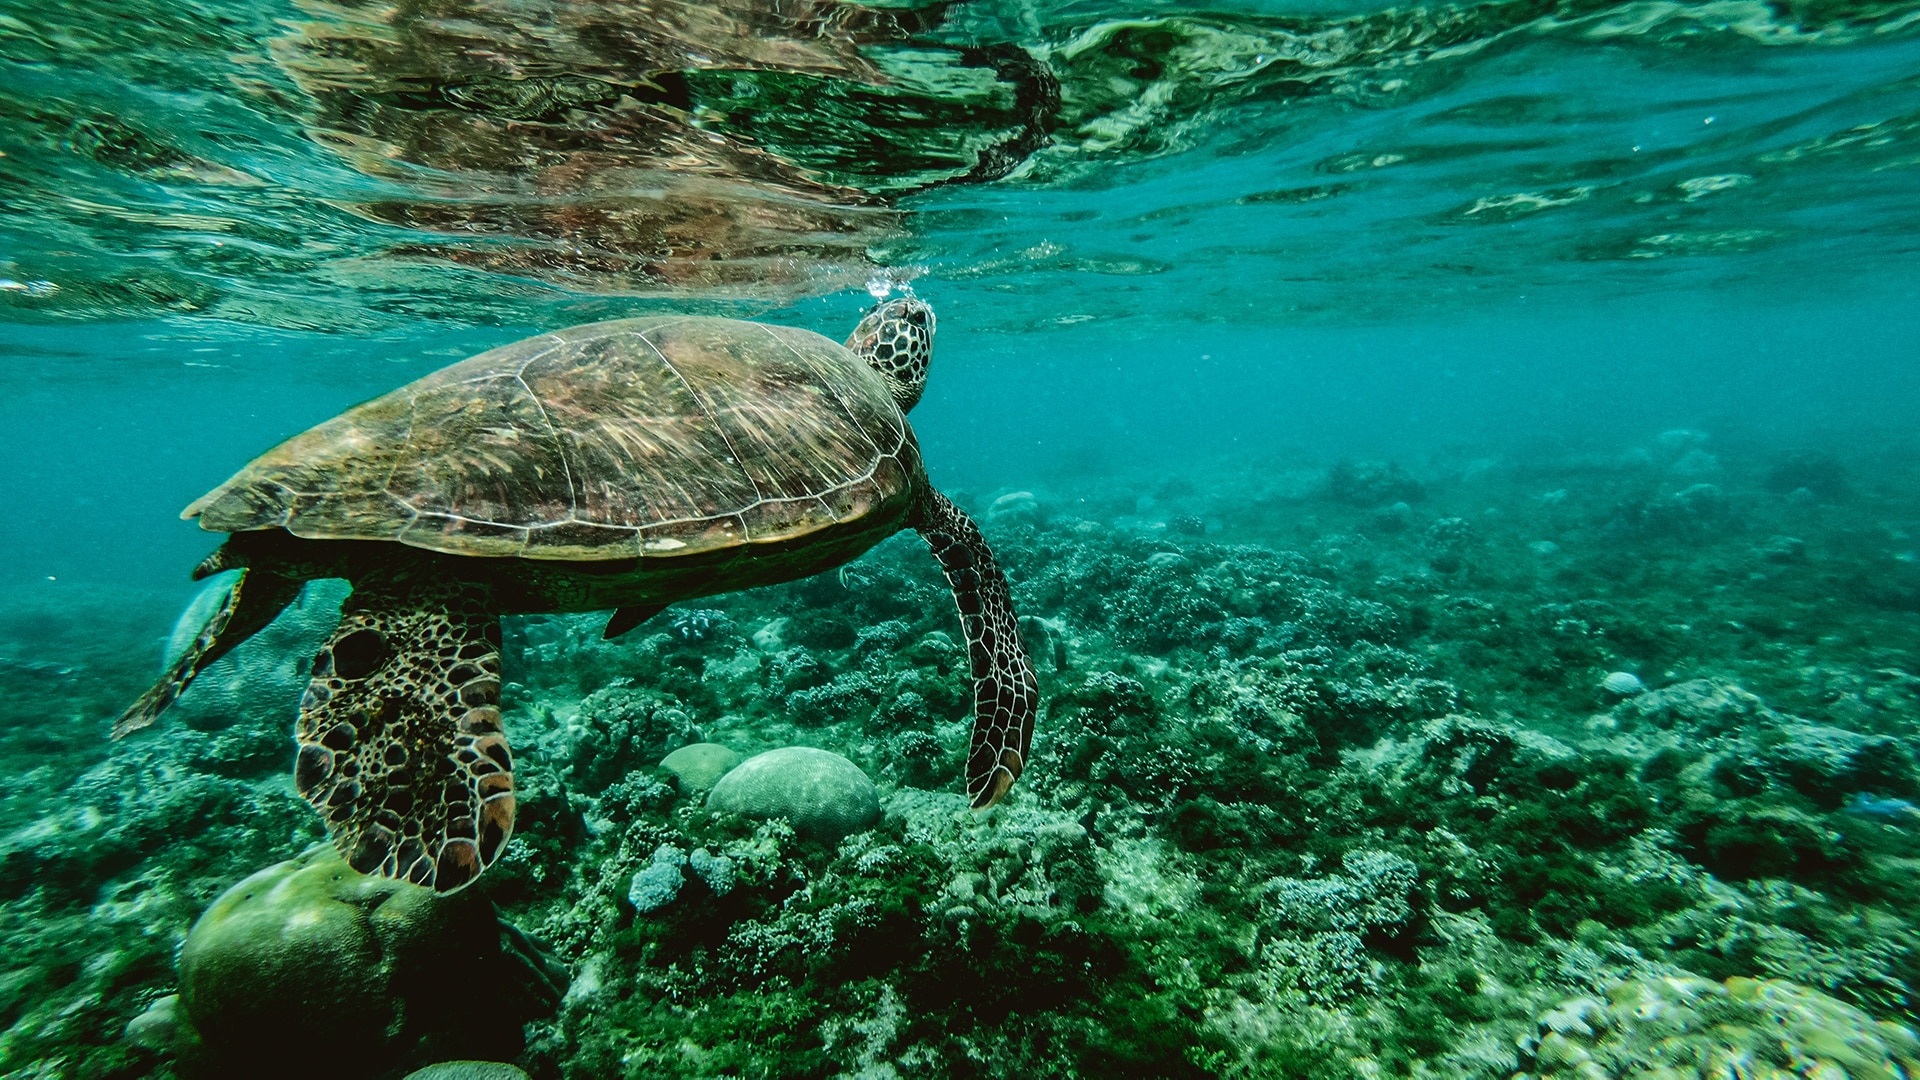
(700, 766)
(159, 1027)
(1686, 1027)
(1828, 764)
(308, 964)
(1697, 706)
(822, 794)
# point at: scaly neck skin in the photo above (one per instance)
(896, 340)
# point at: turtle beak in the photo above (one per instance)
(908, 309)
(914, 310)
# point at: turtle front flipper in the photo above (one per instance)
(255, 599)
(1005, 694)
(626, 618)
(401, 745)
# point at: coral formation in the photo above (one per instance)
(308, 953)
(821, 793)
(699, 766)
(467, 1070)
(1681, 1026)
(1341, 784)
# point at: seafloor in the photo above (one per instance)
(1330, 781)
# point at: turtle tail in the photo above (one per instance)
(256, 598)
(1005, 694)
(401, 745)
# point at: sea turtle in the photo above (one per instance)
(622, 465)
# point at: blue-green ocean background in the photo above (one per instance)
(1507, 227)
(1559, 262)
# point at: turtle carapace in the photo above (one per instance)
(620, 465)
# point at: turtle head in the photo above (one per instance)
(896, 340)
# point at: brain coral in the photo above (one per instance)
(699, 766)
(821, 793)
(308, 953)
(467, 1070)
(1683, 1027)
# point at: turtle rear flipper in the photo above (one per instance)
(1005, 694)
(401, 745)
(256, 599)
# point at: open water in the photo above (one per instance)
(1546, 341)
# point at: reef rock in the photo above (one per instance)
(1828, 764)
(1372, 483)
(823, 795)
(309, 968)
(620, 728)
(1683, 1026)
(1699, 706)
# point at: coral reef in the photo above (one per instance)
(1681, 1026)
(1337, 775)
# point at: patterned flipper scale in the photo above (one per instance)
(1005, 694)
(401, 745)
(255, 600)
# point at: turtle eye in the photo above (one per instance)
(359, 654)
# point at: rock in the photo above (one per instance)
(771, 637)
(1372, 483)
(1829, 764)
(1687, 512)
(158, 1028)
(1822, 478)
(1682, 1025)
(1679, 442)
(379, 973)
(1695, 465)
(698, 766)
(1783, 549)
(1623, 683)
(1700, 705)
(823, 795)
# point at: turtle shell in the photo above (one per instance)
(640, 437)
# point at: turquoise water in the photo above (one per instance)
(1347, 391)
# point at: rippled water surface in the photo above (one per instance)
(372, 167)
